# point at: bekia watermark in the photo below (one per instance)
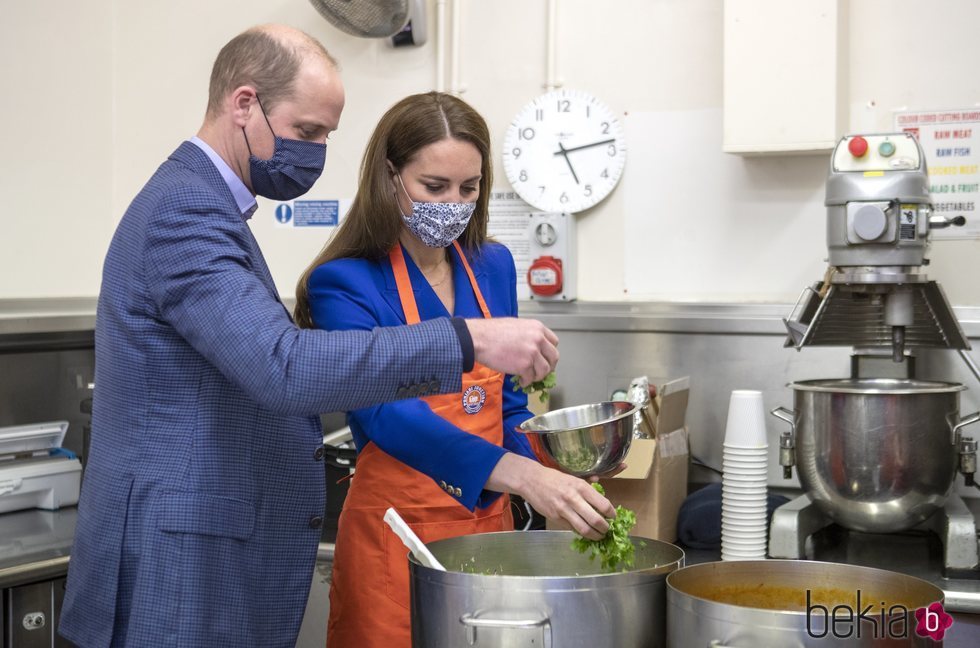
(876, 620)
(932, 621)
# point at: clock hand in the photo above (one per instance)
(567, 161)
(565, 151)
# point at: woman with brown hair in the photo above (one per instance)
(414, 247)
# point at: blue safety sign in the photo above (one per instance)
(315, 213)
(284, 213)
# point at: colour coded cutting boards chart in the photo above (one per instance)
(951, 141)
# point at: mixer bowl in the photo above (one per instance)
(876, 454)
(583, 441)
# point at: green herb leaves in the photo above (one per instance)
(541, 386)
(615, 549)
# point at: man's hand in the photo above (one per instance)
(522, 347)
(554, 494)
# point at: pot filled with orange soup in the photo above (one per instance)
(753, 603)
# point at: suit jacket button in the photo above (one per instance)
(402, 392)
(316, 522)
(318, 454)
(459, 493)
(442, 485)
(434, 387)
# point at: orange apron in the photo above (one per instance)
(369, 593)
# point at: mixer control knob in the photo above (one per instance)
(858, 146)
(870, 222)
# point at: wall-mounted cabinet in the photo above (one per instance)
(784, 75)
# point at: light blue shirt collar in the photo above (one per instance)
(243, 197)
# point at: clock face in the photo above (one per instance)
(564, 152)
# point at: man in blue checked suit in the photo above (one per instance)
(204, 488)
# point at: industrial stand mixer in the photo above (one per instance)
(877, 455)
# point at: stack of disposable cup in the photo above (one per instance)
(743, 482)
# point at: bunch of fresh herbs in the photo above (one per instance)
(615, 549)
(541, 386)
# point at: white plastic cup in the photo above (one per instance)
(746, 426)
(751, 511)
(744, 479)
(746, 542)
(736, 524)
(747, 487)
(743, 482)
(745, 499)
(736, 472)
(747, 453)
(758, 454)
(758, 554)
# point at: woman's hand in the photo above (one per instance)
(553, 494)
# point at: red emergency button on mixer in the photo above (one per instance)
(858, 146)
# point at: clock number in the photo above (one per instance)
(612, 150)
(588, 111)
(564, 105)
(526, 133)
(563, 198)
(539, 114)
(588, 190)
(523, 175)
(604, 174)
(542, 188)
(516, 152)
(605, 128)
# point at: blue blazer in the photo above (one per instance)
(361, 294)
(204, 488)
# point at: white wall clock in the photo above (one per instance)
(564, 151)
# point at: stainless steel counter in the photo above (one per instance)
(720, 346)
(35, 545)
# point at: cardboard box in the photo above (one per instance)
(654, 483)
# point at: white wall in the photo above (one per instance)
(56, 99)
(96, 97)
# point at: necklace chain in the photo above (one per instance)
(449, 272)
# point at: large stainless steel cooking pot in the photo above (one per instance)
(876, 454)
(747, 604)
(531, 589)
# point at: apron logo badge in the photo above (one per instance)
(473, 399)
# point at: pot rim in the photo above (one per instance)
(885, 386)
(678, 596)
(674, 562)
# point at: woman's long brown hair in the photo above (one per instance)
(373, 224)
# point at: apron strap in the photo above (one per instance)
(476, 287)
(404, 284)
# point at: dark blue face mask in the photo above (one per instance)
(293, 168)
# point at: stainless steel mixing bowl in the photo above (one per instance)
(877, 454)
(584, 441)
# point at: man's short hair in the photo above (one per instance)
(268, 63)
